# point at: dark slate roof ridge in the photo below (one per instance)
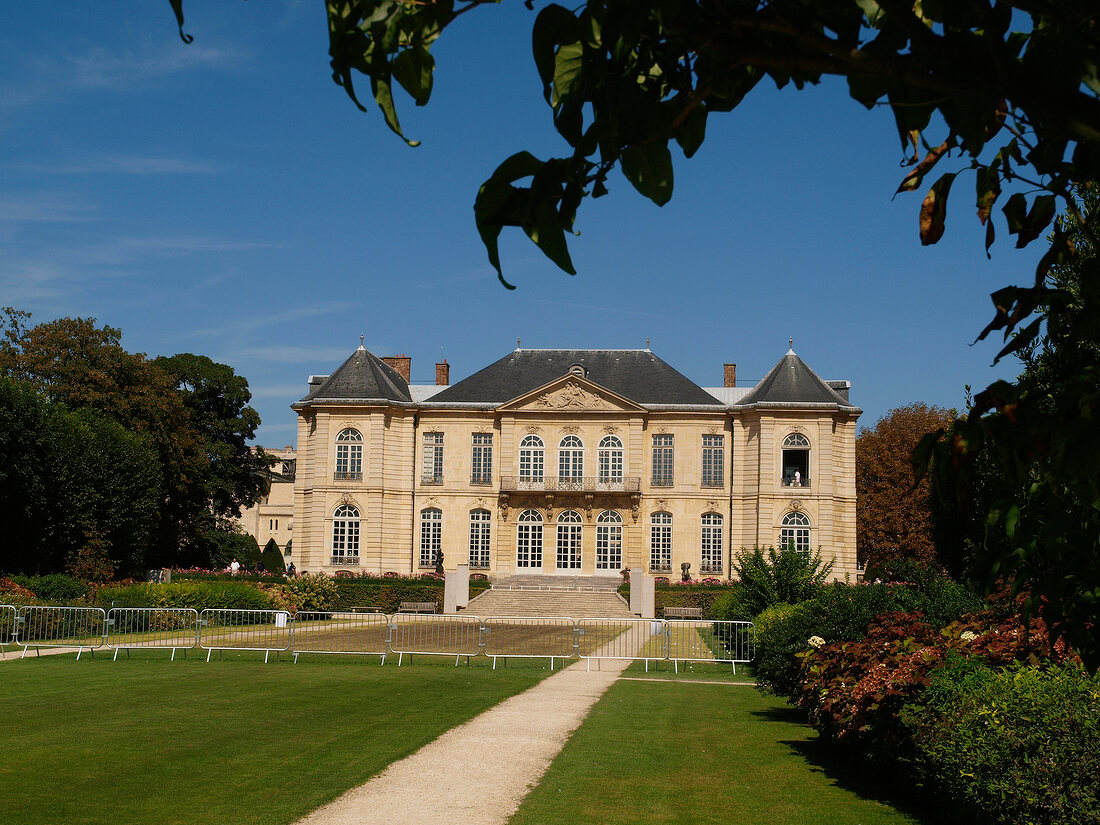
(634, 374)
(362, 377)
(792, 382)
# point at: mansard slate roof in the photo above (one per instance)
(792, 383)
(637, 375)
(363, 377)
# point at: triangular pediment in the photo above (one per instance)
(571, 393)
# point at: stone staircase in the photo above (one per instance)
(576, 604)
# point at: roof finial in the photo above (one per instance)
(361, 341)
(790, 344)
(647, 342)
(517, 343)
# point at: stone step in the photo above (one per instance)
(542, 582)
(574, 604)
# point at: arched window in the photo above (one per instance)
(345, 535)
(529, 540)
(609, 541)
(531, 458)
(349, 456)
(610, 460)
(660, 541)
(569, 540)
(480, 521)
(795, 532)
(570, 460)
(431, 536)
(710, 544)
(796, 461)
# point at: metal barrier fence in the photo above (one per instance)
(529, 638)
(688, 640)
(152, 627)
(8, 616)
(356, 633)
(379, 634)
(230, 629)
(41, 626)
(620, 639)
(435, 635)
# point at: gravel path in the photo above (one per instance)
(479, 772)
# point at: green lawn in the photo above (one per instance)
(653, 752)
(147, 740)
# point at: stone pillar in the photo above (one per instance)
(636, 590)
(456, 589)
(649, 597)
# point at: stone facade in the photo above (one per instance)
(273, 516)
(571, 462)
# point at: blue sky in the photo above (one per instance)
(226, 198)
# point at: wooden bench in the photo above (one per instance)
(683, 612)
(418, 607)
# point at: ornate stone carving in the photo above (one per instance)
(635, 506)
(611, 429)
(712, 505)
(714, 430)
(502, 506)
(662, 504)
(350, 501)
(348, 425)
(796, 504)
(571, 430)
(572, 396)
(662, 430)
(532, 428)
(431, 501)
(589, 499)
(549, 506)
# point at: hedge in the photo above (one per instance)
(1019, 744)
(387, 594)
(684, 595)
(198, 595)
(55, 588)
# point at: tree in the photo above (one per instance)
(893, 503)
(191, 410)
(215, 474)
(1011, 85)
(75, 488)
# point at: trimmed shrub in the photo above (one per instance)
(1020, 744)
(197, 595)
(13, 593)
(55, 588)
(272, 558)
(387, 594)
(312, 591)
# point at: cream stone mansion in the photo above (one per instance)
(569, 462)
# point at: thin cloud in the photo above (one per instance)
(44, 208)
(127, 165)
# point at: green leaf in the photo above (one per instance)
(384, 98)
(553, 25)
(692, 131)
(649, 168)
(1038, 218)
(1015, 212)
(548, 233)
(568, 67)
(413, 70)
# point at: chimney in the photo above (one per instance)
(402, 363)
(731, 376)
(442, 373)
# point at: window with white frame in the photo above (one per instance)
(431, 536)
(610, 460)
(529, 539)
(662, 460)
(480, 521)
(609, 541)
(714, 464)
(481, 464)
(710, 544)
(531, 458)
(569, 540)
(796, 461)
(349, 456)
(795, 532)
(345, 535)
(433, 458)
(570, 459)
(660, 541)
